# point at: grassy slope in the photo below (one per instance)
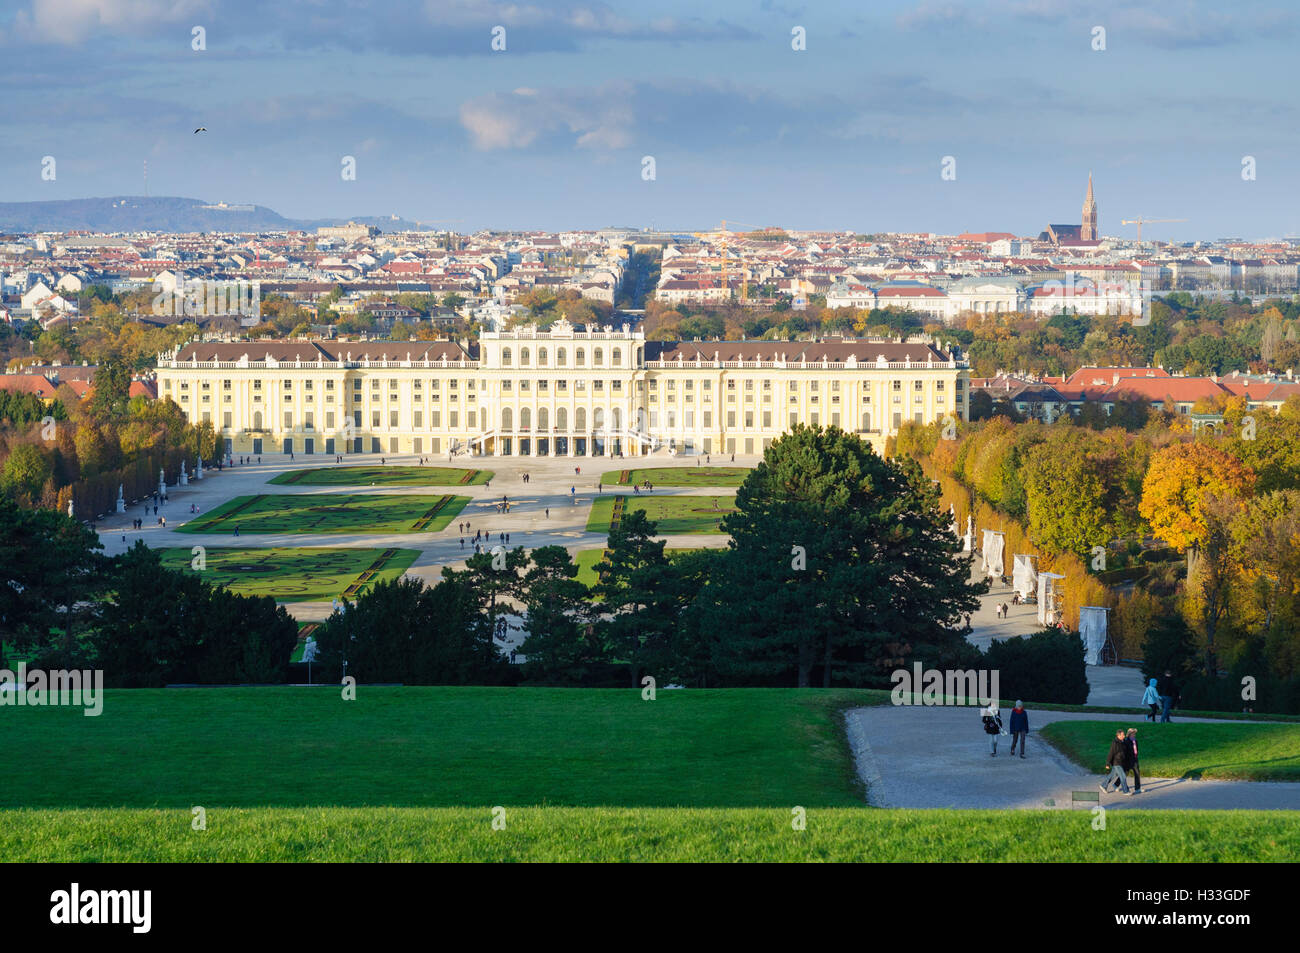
(439, 747)
(383, 476)
(293, 574)
(1177, 750)
(656, 834)
(292, 774)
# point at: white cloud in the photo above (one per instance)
(71, 21)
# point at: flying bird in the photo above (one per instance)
(200, 129)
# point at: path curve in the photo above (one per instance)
(938, 757)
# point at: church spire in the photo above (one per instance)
(1088, 231)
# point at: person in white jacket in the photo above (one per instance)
(992, 727)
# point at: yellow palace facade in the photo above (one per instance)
(564, 391)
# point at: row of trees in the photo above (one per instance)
(84, 449)
(64, 605)
(1185, 334)
(1229, 502)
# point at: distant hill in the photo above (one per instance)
(138, 213)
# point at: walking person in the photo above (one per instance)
(1167, 688)
(1019, 727)
(992, 727)
(1151, 698)
(1132, 741)
(1116, 763)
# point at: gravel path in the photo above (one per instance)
(938, 757)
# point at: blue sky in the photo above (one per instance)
(849, 133)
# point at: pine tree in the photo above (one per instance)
(839, 559)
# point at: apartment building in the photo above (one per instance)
(567, 390)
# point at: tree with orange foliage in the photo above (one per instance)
(1180, 478)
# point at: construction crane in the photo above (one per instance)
(723, 234)
(1139, 221)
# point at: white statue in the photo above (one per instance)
(198, 468)
(185, 477)
(121, 503)
(70, 513)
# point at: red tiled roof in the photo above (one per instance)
(27, 384)
(1094, 375)
(1178, 389)
(910, 293)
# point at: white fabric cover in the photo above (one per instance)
(1047, 596)
(1092, 630)
(1023, 577)
(994, 543)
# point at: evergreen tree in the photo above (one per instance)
(562, 647)
(641, 599)
(840, 560)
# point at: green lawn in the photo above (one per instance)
(329, 513)
(298, 774)
(1181, 750)
(439, 747)
(303, 574)
(384, 476)
(674, 514)
(587, 559)
(679, 476)
(644, 834)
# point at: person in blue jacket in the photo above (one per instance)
(1019, 727)
(1151, 698)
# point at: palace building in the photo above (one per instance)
(564, 391)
